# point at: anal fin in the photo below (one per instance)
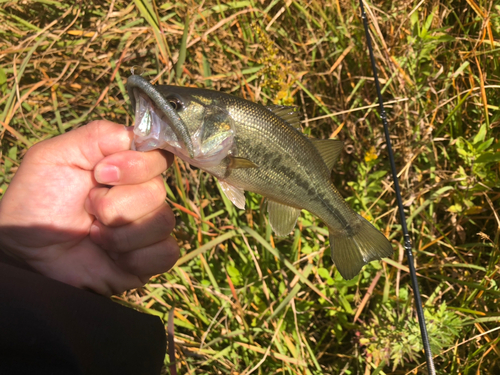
(234, 194)
(282, 217)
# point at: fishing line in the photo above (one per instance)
(407, 242)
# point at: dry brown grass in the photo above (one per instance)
(239, 308)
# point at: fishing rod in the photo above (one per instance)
(407, 243)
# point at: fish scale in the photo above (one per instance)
(283, 180)
(249, 147)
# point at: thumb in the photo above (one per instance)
(85, 146)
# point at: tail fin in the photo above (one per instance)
(351, 252)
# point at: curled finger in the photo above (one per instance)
(125, 204)
(148, 230)
(150, 260)
(132, 167)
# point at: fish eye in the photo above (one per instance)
(175, 103)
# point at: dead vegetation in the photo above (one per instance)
(239, 307)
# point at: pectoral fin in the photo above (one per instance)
(281, 217)
(237, 163)
(234, 194)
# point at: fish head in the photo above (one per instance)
(183, 121)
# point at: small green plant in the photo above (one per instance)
(395, 337)
(480, 154)
(277, 74)
(368, 186)
(478, 172)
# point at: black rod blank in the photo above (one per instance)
(407, 242)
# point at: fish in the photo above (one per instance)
(250, 147)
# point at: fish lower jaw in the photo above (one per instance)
(199, 160)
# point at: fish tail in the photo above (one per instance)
(352, 249)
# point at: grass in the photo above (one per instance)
(246, 302)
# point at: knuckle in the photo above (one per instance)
(33, 150)
(169, 254)
(134, 261)
(165, 219)
(114, 239)
(143, 164)
(106, 211)
(137, 163)
(135, 267)
(174, 250)
(96, 125)
(37, 152)
(155, 191)
(92, 129)
(159, 188)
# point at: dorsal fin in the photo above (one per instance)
(329, 149)
(287, 113)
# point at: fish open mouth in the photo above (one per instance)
(150, 123)
(159, 126)
(156, 122)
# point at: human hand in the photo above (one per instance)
(62, 217)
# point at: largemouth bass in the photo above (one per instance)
(249, 147)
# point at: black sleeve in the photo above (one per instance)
(47, 327)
